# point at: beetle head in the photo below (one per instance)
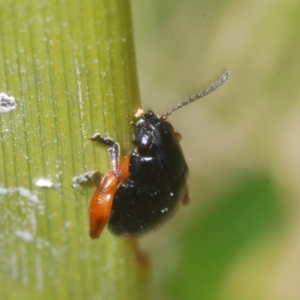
(144, 129)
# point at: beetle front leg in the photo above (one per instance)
(177, 136)
(114, 149)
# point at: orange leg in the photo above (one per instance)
(102, 200)
(101, 203)
(123, 168)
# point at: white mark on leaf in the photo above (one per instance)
(7, 103)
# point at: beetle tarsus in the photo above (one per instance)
(108, 141)
(86, 177)
(114, 149)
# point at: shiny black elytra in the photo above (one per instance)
(157, 179)
(149, 184)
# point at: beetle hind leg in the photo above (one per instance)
(186, 198)
(101, 203)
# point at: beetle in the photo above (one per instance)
(149, 184)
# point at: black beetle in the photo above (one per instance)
(149, 184)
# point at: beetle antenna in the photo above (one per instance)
(204, 93)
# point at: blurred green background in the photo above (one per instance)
(239, 237)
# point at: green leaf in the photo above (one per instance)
(71, 67)
(245, 213)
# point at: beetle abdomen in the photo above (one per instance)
(138, 210)
(151, 194)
